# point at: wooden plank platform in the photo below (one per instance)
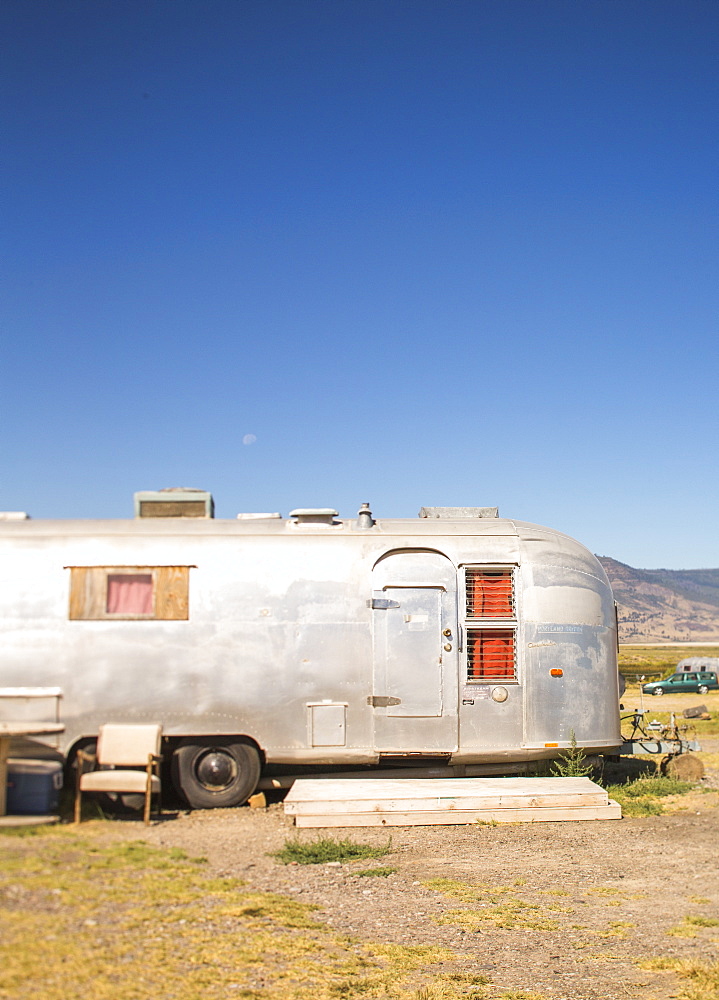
(446, 801)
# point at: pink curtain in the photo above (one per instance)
(129, 594)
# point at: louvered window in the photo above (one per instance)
(491, 655)
(490, 593)
(492, 645)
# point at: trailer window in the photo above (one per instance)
(130, 593)
(491, 655)
(490, 592)
(491, 646)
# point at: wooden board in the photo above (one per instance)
(423, 801)
(460, 817)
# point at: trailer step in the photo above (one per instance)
(446, 801)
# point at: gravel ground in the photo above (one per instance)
(592, 899)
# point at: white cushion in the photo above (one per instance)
(117, 781)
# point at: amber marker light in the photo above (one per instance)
(551, 744)
(556, 672)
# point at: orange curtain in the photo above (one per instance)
(490, 594)
(492, 655)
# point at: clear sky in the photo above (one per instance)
(413, 252)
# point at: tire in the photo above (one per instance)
(658, 691)
(703, 689)
(215, 774)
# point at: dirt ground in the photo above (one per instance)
(585, 901)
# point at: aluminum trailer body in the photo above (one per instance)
(314, 640)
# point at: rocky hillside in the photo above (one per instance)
(665, 605)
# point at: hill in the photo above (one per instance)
(665, 605)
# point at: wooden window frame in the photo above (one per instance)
(170, 592)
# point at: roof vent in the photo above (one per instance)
(314, 515)
(257, 517)
(177, 501)
(458, 513)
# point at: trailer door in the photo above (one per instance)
(415, 675)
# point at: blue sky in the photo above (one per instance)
(415, 252)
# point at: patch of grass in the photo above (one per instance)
(454, 889)
(638, 807)
(683, 931)
(496, 908)
(379, 872)
(82, 917)
(520, 995)
(699, 921)
(513, 914)
(641, 797)
(325, 849)
(614, 891)
(688, 927)
(657, 786)
(703, 979)
(617, 928)
(469, 893)
(455, 985)
(699, 900)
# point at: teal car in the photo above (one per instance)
(698, 682)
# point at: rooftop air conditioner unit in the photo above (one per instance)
(174, 502)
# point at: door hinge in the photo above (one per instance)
(382, 604)
(382, 701)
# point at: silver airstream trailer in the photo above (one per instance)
(458, 637)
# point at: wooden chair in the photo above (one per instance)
(121, 751)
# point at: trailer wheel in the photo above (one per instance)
(217, 774)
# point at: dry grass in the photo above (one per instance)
(497, 908)
(82, 917)
(702, 980)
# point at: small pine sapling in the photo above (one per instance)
(572, 762)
